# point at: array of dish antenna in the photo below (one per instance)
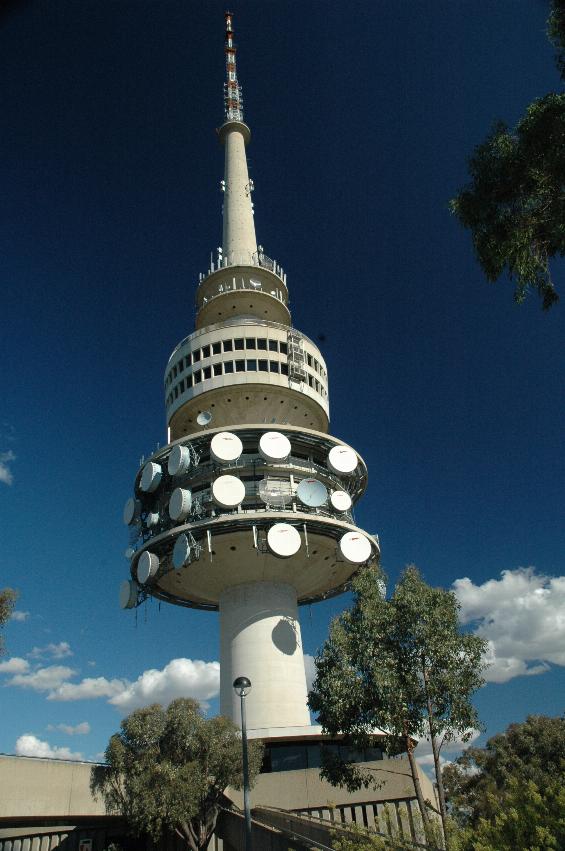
(204, 418)
(226, 447)
(311, 492)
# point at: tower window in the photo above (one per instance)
(188, 381)
(261, 343)
(205, 351)
(187, 361)
(273, 366)
(309, 360)
(240, 366)
(250, 343)
(239, 344)
(197, 378)
(252, 365)
(284, 368)
(181, 365)
(263, 365)
(216, 348)
(228, 345)
(310, 381)
(217, 369)
(283, 348)
(273, 347)
(181, 386)
(207, 372)
(228, 366)
(196, 356)
(176, 392)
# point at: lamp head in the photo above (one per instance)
(242, 686)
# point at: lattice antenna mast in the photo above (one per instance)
(233, 100)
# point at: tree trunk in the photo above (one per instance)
(437, 766)
(417, 788)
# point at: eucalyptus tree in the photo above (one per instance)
(167, 769)
(514, 204)
(404, 666)
(7, 601)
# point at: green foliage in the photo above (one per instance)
(401, 665)
(511, 794)
(167, 770)
(514, 205)
(8, 598)
(556, 32)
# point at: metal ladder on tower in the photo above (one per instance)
(296, 357)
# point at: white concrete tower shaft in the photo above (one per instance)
(239, 242)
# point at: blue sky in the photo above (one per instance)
(363, 115)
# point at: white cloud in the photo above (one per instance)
(180, 678)
(43, 679)
(310, 667)
(19, 616)
(6, 475)
(522, 616)
(54, 651)
(15, 665)
(30, 745)
(91, 687)
(81, 729)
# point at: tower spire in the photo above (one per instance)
(233, 101)
(239, 243)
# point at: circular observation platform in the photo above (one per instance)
(248, 505)
(241, 290)
(245, 371)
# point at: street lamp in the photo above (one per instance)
(242, 687)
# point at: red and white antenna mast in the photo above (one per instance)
(233, 100)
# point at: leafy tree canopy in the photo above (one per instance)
(400, 665)
(8, 598)
(511, 793)
(167, 769)
(514, 205)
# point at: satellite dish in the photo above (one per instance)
(225, 447)
(128, 594)
(274, 492)
(204, 418)
(179, 461)
(228, 491)
(312, 492)
(341, 501)
(150, 477)
(147, 567)
(180, 504)
(181, 551)
(342, 460)
(274, 447)
(283, 540)
(132, 510)
(355, 547)
(152, 519)
(129, 553)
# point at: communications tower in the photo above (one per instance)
(248, 509)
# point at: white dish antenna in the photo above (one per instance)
(274, 447)
(274, 492)
(180, 504)
(147, 567)
(228, 491)
(179, 461)
(341, 501)
(151, 477)
(342, 460)
(355, 547)
(151, 519)
(129, 553)
(181, 552)
(132, 510)
(204, 418)
(312, 492)
(226, 447)
(283, 540)
(128, 594)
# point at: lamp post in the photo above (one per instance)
(242, 687)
